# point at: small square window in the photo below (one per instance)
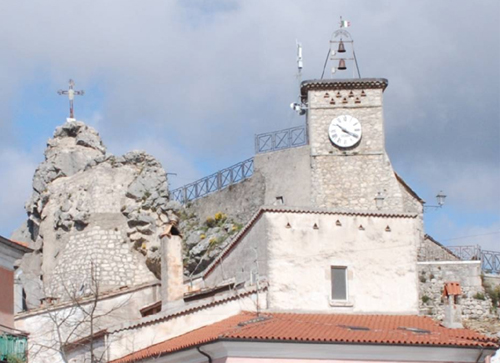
(339, 283)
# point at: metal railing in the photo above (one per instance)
(466, 253)
(215, 182)
(490, 260)
(279, 140)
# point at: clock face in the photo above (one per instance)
(345, 131)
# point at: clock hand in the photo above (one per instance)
(346, 131)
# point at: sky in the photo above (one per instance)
(191, 82)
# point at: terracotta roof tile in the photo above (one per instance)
(24, 246)
(452, 288)
(357, 329)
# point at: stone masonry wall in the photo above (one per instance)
(284, 173)
(351, 178)
(432, 250)
(433, 276)
(110, 256)
(239, 201)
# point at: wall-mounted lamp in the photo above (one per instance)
(440, 198)
(379, 200)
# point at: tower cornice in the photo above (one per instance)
(342, 84)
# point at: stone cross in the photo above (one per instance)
(71, 95)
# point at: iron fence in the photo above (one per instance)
(490, 260)
(466, 253)
(212, 183)
(283, 139)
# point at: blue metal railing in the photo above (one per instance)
(282, 139)
(490, 260)
(215, 182)
(272, 141)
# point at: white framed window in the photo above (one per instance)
(339, 283)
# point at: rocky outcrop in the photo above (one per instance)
(95, 215)
(92, 215)
(73, 146)
(204, 239)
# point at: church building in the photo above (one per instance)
(325, 269)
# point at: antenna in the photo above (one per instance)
(299, 107)
(300, 63)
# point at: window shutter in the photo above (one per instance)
(339, 283)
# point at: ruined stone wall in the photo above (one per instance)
(433, 276)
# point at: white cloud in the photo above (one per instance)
(195, 80)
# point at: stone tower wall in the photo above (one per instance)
(351, 178)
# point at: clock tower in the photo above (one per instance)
(349, 165)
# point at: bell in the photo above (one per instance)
(341, 47)
(341, 66)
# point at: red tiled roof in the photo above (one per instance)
(24, 246)
(360, 329)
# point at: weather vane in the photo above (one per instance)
(71, 95)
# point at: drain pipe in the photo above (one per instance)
(205, 354)
(480, 354)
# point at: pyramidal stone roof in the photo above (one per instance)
(322, 328)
